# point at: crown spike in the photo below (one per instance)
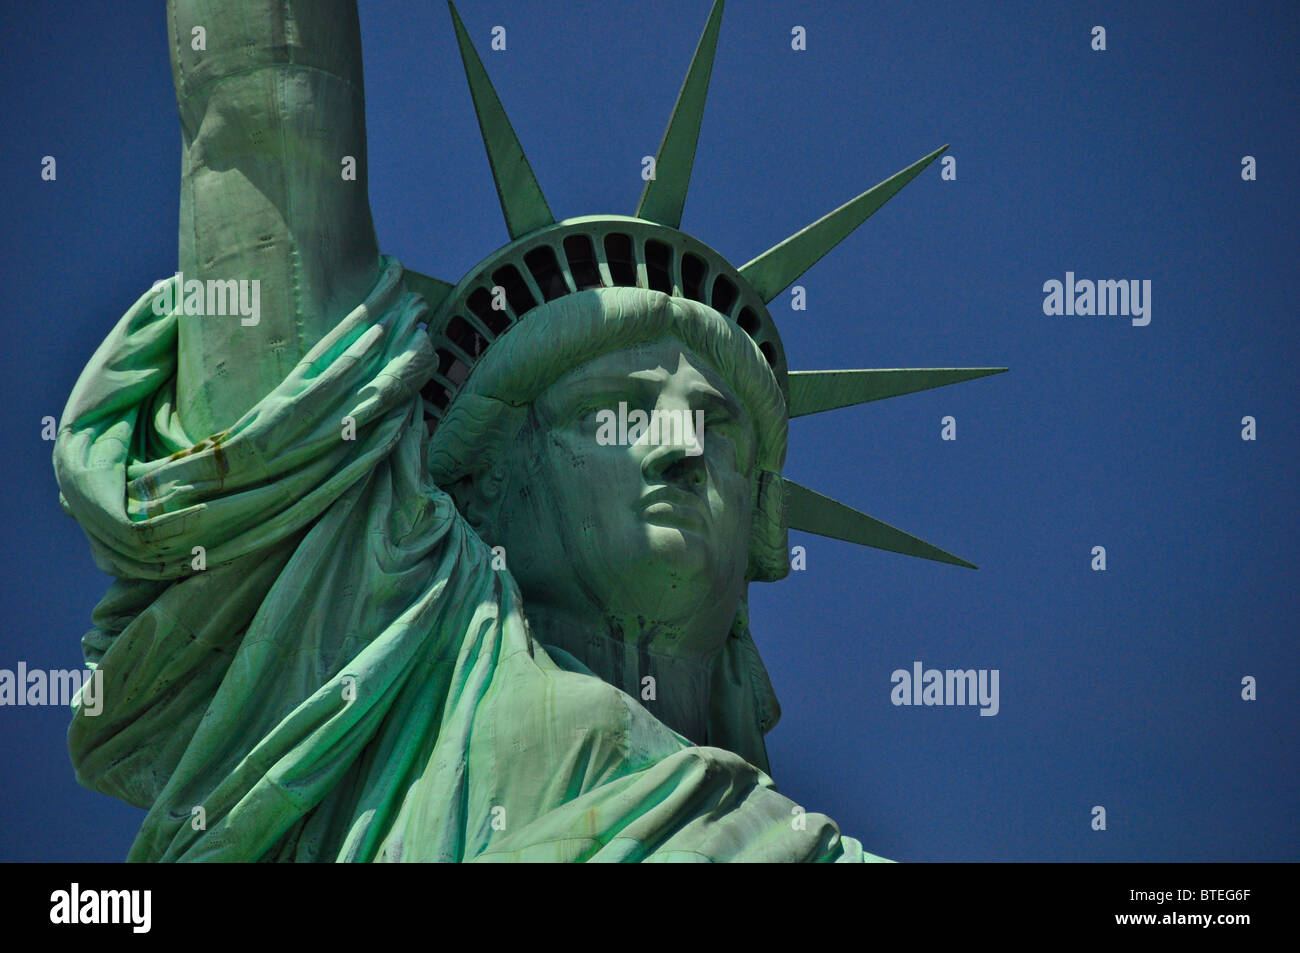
(521, 197)
(664, 196)
(812, 392)
(773, 271)
(814, 513)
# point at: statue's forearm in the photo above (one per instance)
(273, 121)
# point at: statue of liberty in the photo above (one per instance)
(387, 585)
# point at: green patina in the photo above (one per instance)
(382, 594)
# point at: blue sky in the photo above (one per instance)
(1118, 688)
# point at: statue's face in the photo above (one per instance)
(655, 529)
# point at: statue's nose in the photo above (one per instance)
(674, 464)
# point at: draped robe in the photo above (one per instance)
(307, 654)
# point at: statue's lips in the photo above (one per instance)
(669, 506)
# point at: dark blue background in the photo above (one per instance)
(1119, 688)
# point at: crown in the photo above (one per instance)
(546, 259)
(595, 251)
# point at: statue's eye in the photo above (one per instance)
(589, 413)
(723, 424)
(724, 421)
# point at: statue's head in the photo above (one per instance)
(549, 347)
(609, 408)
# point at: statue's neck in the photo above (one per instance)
(674, 688)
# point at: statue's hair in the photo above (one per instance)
(563, 334)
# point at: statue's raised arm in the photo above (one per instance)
(273, 189)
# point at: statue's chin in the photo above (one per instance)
(670, 577)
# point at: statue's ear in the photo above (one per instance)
(769, 555)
